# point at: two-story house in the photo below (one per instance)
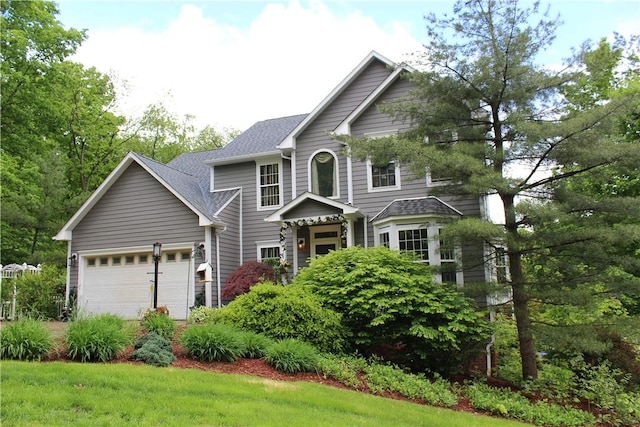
(285, 188)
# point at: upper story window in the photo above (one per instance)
(382, 178)
(443, 141)
(323, 174)
(269, 177)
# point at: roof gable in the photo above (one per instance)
(306, 197)
(289, 142)
(183, 186)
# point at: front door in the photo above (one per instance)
(324, 238)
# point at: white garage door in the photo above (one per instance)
(123, 284)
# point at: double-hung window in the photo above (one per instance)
(269, 185)
(383, 178)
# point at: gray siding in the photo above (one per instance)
(254, 227)
(135, 211)
(312, 209)
(315, 136)
(230, 240)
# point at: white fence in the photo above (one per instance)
(11, 271)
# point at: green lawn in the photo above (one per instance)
(39, 394)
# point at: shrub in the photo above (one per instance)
(254, 345)
(245, 276)
(38, 295)
(160, 323)
(202, 314)
(153, 349)
(25, 339)
(285, 312)
(97, 338)
(388, 300)
(292, 356)
(342, 368)
(212, 342)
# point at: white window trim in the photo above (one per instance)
(271, 161)
(433, 234)
(266, 244)
(337, 171)
(372, 189)
(444, 181)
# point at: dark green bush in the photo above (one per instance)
(291, 356)
(160, 323)
(212, 342)
(25, 339)
(97, 338)
(390, 303)
(285, 312)
(153, 349)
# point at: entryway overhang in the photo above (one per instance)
(309, 207)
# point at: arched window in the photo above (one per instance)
(324, 174)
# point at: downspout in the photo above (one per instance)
(365, 220)
(218, 282)
(490, 344)
(68, 284)
(240, 228)
(207, 245)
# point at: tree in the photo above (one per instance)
(488, 116)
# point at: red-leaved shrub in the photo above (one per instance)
(245, 276)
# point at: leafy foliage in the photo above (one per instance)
(97, 338)
(159, 323)
(244, 277)
(286, 312)
(389, 301)
(254, 345)
(24, 339)
(202, 314)
(510, 404)
(38, 295)
(153, 349)
(212, 342)
(291, 356)
(388, 378)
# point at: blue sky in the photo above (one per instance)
(231, 63)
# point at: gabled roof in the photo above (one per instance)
(344, 128)
(182, 185)
(259, 140)
(347, 210)
(429, 205)
(289, 142)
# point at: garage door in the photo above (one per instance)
(122, 284)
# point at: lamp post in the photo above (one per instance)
(157, 253)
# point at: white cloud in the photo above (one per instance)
(285, 62)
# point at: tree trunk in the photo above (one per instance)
(520, 298)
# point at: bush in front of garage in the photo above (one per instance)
(97, 338)
(153, 349)
(159, 322)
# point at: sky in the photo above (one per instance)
(233, 63)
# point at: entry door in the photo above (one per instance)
(324, 238)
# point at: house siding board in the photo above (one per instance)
(315, 136)
(136, 209)
(229, 241)
(312, 209)
(372, 120)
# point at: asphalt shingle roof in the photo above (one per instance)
(418, 206)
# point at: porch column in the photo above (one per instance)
(350, 232)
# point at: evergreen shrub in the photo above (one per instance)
(153, 349)
(24, 339)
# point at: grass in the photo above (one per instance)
(55, 394)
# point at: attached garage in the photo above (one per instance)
(121, 282)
